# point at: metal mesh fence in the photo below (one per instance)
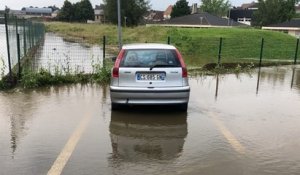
(22, 39)
(57, 54)
(199, 51)
(60, 55)
(3, 50)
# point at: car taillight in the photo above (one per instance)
(115, 72)
(184, 72)
(184, 69)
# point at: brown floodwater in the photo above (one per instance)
(235, 124)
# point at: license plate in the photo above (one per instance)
(150, 76)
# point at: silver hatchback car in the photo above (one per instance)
(149, 74)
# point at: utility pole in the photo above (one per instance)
(119, 25)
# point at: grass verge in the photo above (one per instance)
(199, 46)
(30, 79)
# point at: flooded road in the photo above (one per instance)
(56, 55)
(235, 124)
(59, 55)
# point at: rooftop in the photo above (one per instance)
(38, 10)
(249, 5)
(202, 19)
(292, 23)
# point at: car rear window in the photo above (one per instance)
(150, 57)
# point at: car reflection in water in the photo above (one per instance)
(147, 136)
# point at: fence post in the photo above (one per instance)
(29, 34)
(104, 44)
(16, 25)
(296, 52)
(169, 40)
(19, 56)
(261, 51)
(220, 51)
(24, 36)
(32, 34)
(8, 46)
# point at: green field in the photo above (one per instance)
(198, 46)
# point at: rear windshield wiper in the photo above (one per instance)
(162, 65)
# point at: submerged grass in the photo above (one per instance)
(33, 79)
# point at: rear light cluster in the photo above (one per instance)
(115, 72)
(184, 72)
(184, 69)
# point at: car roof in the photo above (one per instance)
(148, 46)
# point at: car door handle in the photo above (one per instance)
(127, 72)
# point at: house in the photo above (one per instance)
(297, 9)
(99, 13)
(251, 6)
(290, 27)
(55, 14)
(18, 13)
(168, 11)
(37, 12)
(154, 16)
(244, 13)
(194, 8)
(198, 20)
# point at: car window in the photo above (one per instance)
(149, 58)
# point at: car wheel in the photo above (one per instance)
(114, 106)
(183, 107)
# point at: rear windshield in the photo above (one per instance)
(150, 58)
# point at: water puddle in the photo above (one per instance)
(59, 55)
(235, 124)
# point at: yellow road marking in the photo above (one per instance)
(67, 151)
(233, 141)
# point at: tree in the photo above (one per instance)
(181, 8)
(273, 11)
(133, 10)
(80, 11)
(7, 9)
(216, 7)
(83, 11)
(66, 12)
(54, 8)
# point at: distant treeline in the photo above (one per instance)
(77, 12)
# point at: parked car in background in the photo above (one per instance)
(149, 74)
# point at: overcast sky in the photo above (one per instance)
(156, 4)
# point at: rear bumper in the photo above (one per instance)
(129, 95)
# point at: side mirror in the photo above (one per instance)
(114, 59)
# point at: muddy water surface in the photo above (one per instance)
(235, 124)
